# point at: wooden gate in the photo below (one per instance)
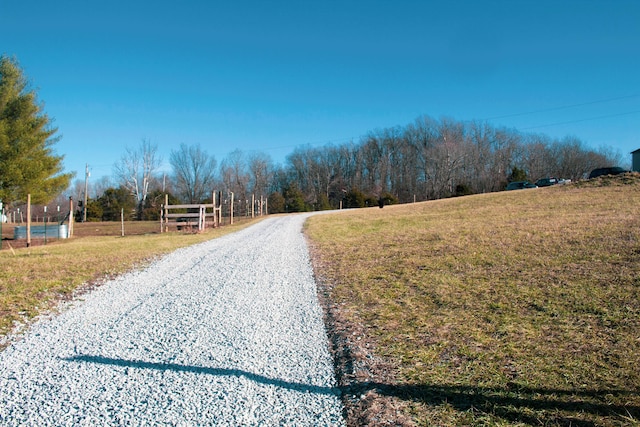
(191, 218)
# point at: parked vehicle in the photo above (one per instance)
(546, 182)
(520, 185)
(606, 171)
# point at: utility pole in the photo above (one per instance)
(86, 189)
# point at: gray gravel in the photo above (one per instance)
(228, 332)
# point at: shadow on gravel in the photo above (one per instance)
(506, 403)
(203, 370)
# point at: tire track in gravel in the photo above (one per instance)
(227, 332)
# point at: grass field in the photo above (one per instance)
(33, 280)
(512, 308)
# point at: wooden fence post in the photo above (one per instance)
(71, 218)
(220, 211)
(215, 214)
(28, 220)
(166, 211)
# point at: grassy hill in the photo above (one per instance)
(512, 308)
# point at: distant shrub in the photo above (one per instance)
(463, 190)
(151, 214)
(370, 201)
(517, 174)
(276, 202)
(294, 199)
(322, 203)
(389, 199)
(355, 199)
(94, 211)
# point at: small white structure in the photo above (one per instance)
(54, 231)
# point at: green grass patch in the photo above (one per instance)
(513, 308)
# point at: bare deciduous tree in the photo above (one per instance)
(136, 168)
(99, 186)
(194, 172)
(261, 173)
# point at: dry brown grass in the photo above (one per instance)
(514, 308)
(34, 280)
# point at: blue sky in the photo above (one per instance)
(274, 75)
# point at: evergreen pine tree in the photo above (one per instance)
(28, 164)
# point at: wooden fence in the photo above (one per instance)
(190, 219)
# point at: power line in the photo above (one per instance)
(581, 120)
(563, 107)
(545, 110)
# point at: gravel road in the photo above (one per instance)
(228, 332)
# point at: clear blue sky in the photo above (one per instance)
(274, 75)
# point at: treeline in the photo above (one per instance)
(431, 159)
(424, 160)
